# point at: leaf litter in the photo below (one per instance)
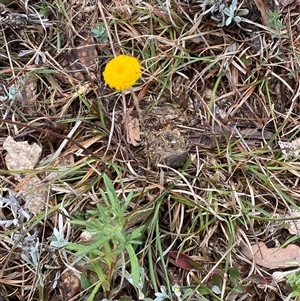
(22, 156)
(217, 166)
(134, 131)
(291, 220)
(273, 258)
(290, 149)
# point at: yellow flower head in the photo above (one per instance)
(122, 72)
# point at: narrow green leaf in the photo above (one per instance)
(84, 281)
(111, 192)
(135, 269)
(94, 292)
(85, 249)
(234, 275)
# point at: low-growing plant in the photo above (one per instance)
(294, 281)
(225, 15)
(233, 281)
(105, 238)
(100, 34)
(292, 278)
(275, 21)
(162, 294)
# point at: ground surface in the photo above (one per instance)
(163, 189)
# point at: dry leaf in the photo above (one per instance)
(293, 225)
(30, 93)
(290, 149)
(21, 155)
(184, 261)
(69, 284)
(134, 131)
(273, 258)
(34, 192)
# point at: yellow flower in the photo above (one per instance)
(122, 72)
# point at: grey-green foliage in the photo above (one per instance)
(275, 22)
(100, 33)
(223, 11)
(12, 204)
(109, 238)
(162, 294)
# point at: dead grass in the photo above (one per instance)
(227, 94)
